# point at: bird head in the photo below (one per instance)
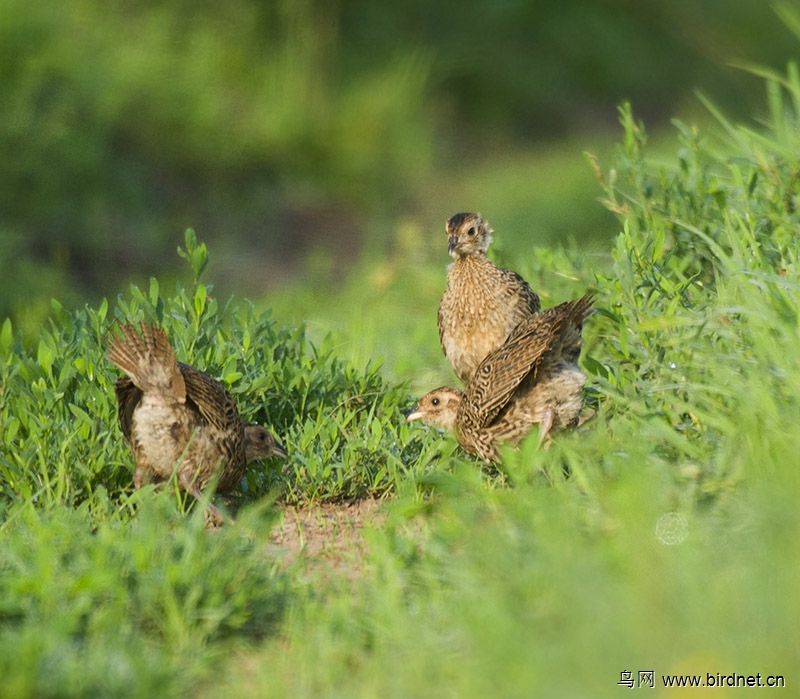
(259, 443)
(467, 234)
(438, 408)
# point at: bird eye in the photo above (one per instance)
(471, 231)
(435, 401)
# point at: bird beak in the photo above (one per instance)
(452, 242)
(279, 450)
(413, 414)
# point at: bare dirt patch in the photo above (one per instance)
(326, 534)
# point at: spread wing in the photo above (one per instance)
(502, 371)
(216, 406)
(148, 359)
(205, 395)
(211, 399)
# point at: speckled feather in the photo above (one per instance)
(174, 416)
(482, 303)
(533, 378)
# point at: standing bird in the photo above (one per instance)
(482, 303)
(176, 419)
(533, 378)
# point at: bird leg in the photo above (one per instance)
(187, 482)
(214, 516)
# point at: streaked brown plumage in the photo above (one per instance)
(533, 378)
(177, 419)
(482, 303)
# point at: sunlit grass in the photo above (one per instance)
(662, 535)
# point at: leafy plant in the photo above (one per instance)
(704, 265)
(637, 535)
(96, 604)
(343, 426)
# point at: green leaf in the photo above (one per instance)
(153, 291)
(62, 316)
(6, 337)
(45, 357)
(189, 240)
(200, 297)
(84, 419)
(102, 312)
(376, 434)
(196, 254)
(199, 260)
(232, 377)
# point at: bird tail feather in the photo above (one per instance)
(148, 359)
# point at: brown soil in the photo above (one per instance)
(326, 534)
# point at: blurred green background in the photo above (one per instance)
(300, 137)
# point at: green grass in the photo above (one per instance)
(342, 424)
(96, 603)
(525, 582)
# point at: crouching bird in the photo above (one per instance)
(178, 420)
(532, 378)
